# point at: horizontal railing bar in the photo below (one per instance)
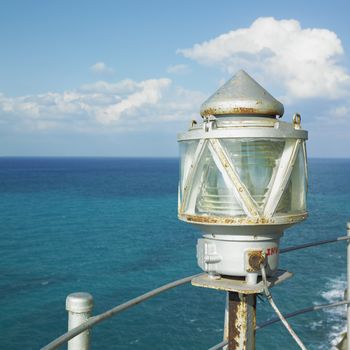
(219, 346)
(313, 244)
(289, 315)
(302, 311)
(109, 313)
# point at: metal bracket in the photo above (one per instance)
(239, 285)
(209, 123)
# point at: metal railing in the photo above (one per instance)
(82, 316)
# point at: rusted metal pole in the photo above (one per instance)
(241, 321)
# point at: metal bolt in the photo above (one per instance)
(296, 120)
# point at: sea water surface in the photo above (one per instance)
(109, 227)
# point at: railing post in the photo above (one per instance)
(241, 321)
(226, 325)
(348, 287)
(79, 307)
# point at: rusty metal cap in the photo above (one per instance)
(241, 95)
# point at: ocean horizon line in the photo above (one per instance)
(128, 157)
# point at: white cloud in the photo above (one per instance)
(303, 61)
(121, 87)
(101, 67)
(178, 69)
(341, 112)
(147, 93)
(102, 106)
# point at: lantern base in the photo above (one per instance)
(232, 284)
(239, 256)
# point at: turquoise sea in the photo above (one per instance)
(109, 226)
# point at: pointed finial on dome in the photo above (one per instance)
(242, 95)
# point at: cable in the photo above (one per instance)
(314, 244)
(279, 314)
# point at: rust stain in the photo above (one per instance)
(242, 220)
(233, 110)
(245, 110)
(240, 320)
(234, 326)
(255, 259)
(237, 110)
(209, 220)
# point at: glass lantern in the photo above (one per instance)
(255, 164)
(243, 177)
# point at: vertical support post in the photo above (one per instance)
(348, 287)
(79, 307)
(226, 326)
(241, 321)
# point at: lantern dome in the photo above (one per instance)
(241, 95)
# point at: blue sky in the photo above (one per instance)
(121, 78)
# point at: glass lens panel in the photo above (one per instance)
(212, 192)
(187, 151)
(256, 162)
(293, 200)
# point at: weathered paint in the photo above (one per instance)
(243, 220)
(237, 110)
(239, 285)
